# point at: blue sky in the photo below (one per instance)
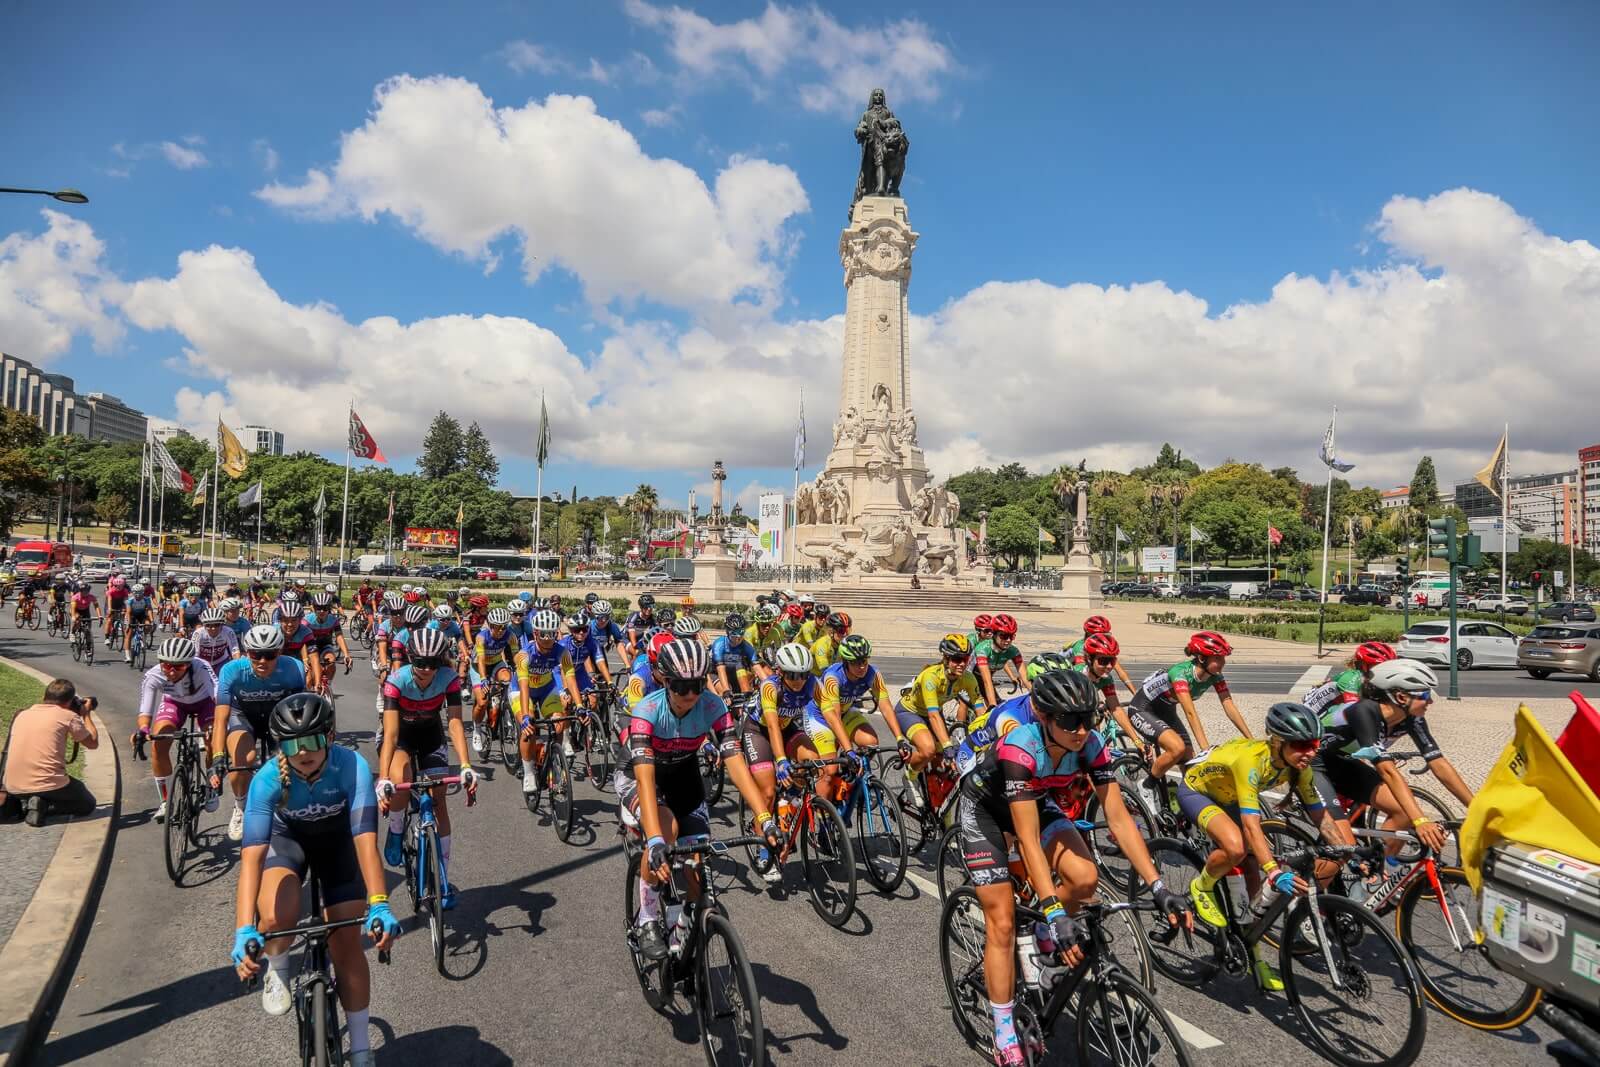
(1174, 150)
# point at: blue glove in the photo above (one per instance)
(708, 749)
(241, 938)
(1283, 882)
(857, 764)
(657, 849)
(785, 770)
(380, 913)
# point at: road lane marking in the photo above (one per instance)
(1314, 676)
(924, 884)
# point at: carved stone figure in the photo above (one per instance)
(891, 543)
(884, 145)
(952, 509)
(841, 501)
(905, 428)
(805, 510)
(825, 500)
(937, 559)
(882, 403)
(922, 505)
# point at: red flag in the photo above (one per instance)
(362, 443)
(188, 480)
(1274, 534)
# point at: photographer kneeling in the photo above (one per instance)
(35, 758)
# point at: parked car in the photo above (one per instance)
(486, 574)
(1137, 589)
(1338, 590)
(457, 574)
(533, 574)
(1368, 594)
(1305, 592)
(1561, 648)
(96, 570)
(387, 570)
(1478, 644)
(1205, 591)
(1568, 611)
(431, 570)
(1167, 590)
(1278, 594)
(1511, 603)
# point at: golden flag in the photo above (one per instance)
(234, 459)
(461, 512)
(1493, 476)
(200, 491)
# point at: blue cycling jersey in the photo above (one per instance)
(416, 702)
(238, 686)
(581, 652)
(735, 657)
(607, 635)
(340, 800)
(451, 629)
(850, 691)
(656, 735)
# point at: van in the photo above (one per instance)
(1432, 589)
(366, 563)
(671, 570)
(41, 557)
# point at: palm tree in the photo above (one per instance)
(642, 502)
(1064, 484)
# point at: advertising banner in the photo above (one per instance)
(769, 531)
(429, 537)
(1160, 560)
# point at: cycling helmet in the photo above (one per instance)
(1065, 694)
(329, 587)
(212, 617)
(444, 613)
(406, 587)
(546, 621)
(733, 622)
(806, 598)
(300, 715)
(498, 617)
(1097, 624)
(263, 638)
(838, 620)
(658, 641)
(766, 613)
(175, 650)
(1403, 675)
(602, 609)
(647, 601)
(429, 644)
(683, 659)
(462, 591)
(854, 649)
(665, 616)
(525, 596)
(1208, 643)
(794, 658)
(1005, 625)
(393, 601)
(413, 597)
(956, 645)
(1101, 645)
(983, 622)
(794, 610)
(416, 614)
(300, 583)
(116, 582)
(1045, 662)
(1293, 722)
(290, 609)
(517, 607)
(193, 590)
(821, 610)
(688, 626)
(591, 599)
(576, 622)
(1371, 653)
(478, 602)
(233, 603)
(322, 601)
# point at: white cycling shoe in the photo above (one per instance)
(236, 825)
(275, 996)
(161, 812)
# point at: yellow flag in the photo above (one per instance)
(234, 459)
(1493, 476)
(461, 512)
(200, 491)
(1534, 797)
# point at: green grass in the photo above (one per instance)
(18, 691)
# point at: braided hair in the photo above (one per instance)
(283, 779)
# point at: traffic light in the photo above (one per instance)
(1471, 550)
(1402, 567)
(1442, 540)
(1537, 577)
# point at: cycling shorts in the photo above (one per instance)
(424, 742)
(1201, 809)
(331, 858)
(982, 835)
(821, 735)
(1337, 776)
(678, 786)
(545, 707)
(909, 720)
(172, 713)
(1152, 719)
(477, 680)
(758, 747)
(250, 722)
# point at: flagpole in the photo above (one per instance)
(261, 506)
(138, 514)
(458, 534)
(216, 491)
(344, 508)
(1191, 553)
(538, 498)
(161, 527)
(1327, 519)
(1505, 507)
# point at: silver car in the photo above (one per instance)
(1561, 648)
(1478, 644)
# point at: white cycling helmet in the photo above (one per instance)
(686, 626)
(406, 588)
(444, 613)
(546, 621)
(794, 658)
(1403, 675)
(330, 588)
(601, 609)
(175, 650)
(429, 644)
(263, 638)
(498, 617)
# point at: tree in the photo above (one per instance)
(443, 449)
(112, 508)
(642, 502)
(1169, 459)
(1013, 534)
(1424, 498)
(1373, 544)
(478, 457)
(1549, 557)
(20, 475)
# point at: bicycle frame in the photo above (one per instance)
(801, 792)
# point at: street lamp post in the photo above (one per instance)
(66, 196)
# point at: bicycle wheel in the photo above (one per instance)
(1125, 943)
(1287, 835)
(1457, 975)
(199, 787)
(1191, 959)
(1364, 1008)
(1435, 808)
(1121, 1025)
(961, 939)
(430, 878)
(558, 782)
(323, 1032)
(598, 756)
(830, 863)
(507, 728)
(712, 777)
(952, 867)
(88, 647)
(33, 619)
(19, 618)
(176, 829)
(1112, 861)
(77, 647)
(745, 821)
(880, 836)
(726, 998)
(652, 974)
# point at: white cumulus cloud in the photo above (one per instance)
(53, 285)
(183, 156)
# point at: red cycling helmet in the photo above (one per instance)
(1097, 624)
(795, 610)
(840, 620)
(1371, 653)
(479, 602)
(1005, 625)
(657, 643)
(983, 623)
(1101, 645)
(413, 597)
(1208, 643)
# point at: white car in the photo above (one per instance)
(97, 570)
(1513, 603)
(1478, 644)
(532, 574)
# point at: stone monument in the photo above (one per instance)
(1080, 576)
(714, 566)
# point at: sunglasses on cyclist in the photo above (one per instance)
(1073, 723)
(1422, 694)
(1105, 661)
(1301, 746)
(258, 656)
(293, 746)
(687, 686)
(795, 676)
(957, 661)
(428, 664)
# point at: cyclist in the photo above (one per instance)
(477, 612)
(1099, 665)
(214, 641)
(327, 637)
(587, 659)
(518, 609)
(637, 624)
(688, 626)
(247, 691)
(644, 679)
(421, 706)
(733, 659)
(982, 628)
(494, 652)
(116, 600)
(1096, 624)
(815, 623)
(81, 608)
(659, 787)
(792, 619)
(444, 620)
(138, 610)
(191, 607)
(824, 650)
(1345, 687)
(605, 630)
(836, 715)
(179, 686)
(919, 714)
(1034, 747)
(535, 693)
(297, 637)
(311, 811)
(365, 595)
(998, 650)
(774, 733)
(232, 607)
(1154, 710)
(764, 633)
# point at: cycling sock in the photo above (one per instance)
(530, 770)
(280, 965)
(161, 787)
(649, 903)
(1005, 1029)
(356, 1020)
(397, 821)
(444, 850)
(1206, 880)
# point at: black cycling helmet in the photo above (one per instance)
(590, 598)
(733, 622)
(416, 614)
(1293, 722)
(683, 659)
(647, 601)
(300, 715)
(1061, 695)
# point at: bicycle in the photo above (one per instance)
(188, 792)
(713, 778)
(813, 824)
(555, 779)
(1338, 961)
(597, 740)
(704, 953)
(139, 645)
(27, 613)
(361, 629)
(880, 829)
(58, 621)
(502, 725)
(316, 1011)
(1118, 1020)
(83, 642)
(424, 862)
(114, 638)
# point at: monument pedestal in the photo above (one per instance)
(714, 578)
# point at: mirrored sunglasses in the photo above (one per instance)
(293, 746)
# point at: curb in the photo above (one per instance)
(34, 960)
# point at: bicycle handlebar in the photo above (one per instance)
(716, 846)
(450, 782)
(305, 931)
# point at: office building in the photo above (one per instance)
(1589, 496)
(112, 420)
(52, 401)
(263, 439)
(1543, 507)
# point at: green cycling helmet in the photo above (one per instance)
(854, 648)
(1045, 662)
(1293, 722)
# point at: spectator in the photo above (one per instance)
(35, 778)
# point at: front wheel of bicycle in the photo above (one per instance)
(726, 998)
(961, 941)
(881, 837)
(1114, 864)
(598, 756)
(177, 825)
(1357, 992)
(506, 726)
(558, 783)
(1190, 959)
(952, 867)
(33, 619)
(652, 974)
(713, 778)
(1121, 1025)
(325, 1047)
(1457, 974)
(830, 863)
(88, 647)
(77, 648)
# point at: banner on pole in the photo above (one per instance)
(250, 498)
(431, 537)
(1494, 473)
(1274, 535)
(769, 530)
(233, 456)
(362, 444)
(544, 432)
(172, 476)
(1158, 560)
(200, 490)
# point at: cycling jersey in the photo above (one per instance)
(1235, 773)
(216, 650)
(809, 631)
(580, 653)
(839, 691)
(192, 609)
(1162, 687)
(607, 634)
(995, 658)
(771, 637)
(417, 703)
(239, 689)
(239, 626)
(1359, 731)
(1107, 685)
(451, 629)
(735, 657)
(1342, 688)
(493, 650)
(933, 688)
(340, 800)
(139, 608)
(197, 688)
(657, 735)
(324, 626)
(822, 653)
(299, 639)
(641, 681)
(83, 603)
(1074, 652)
(1008, 760)
(536, 670)
(785, 702)
(637, 624)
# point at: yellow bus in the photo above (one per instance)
(130, 539)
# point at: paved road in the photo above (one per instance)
(538, 970)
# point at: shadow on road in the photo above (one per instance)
(146, 1012)
(777, 989)
(459, 1044)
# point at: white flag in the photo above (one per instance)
(322, 502)
(250, 497)
(1326, 453)
(1121, 537)
(605, 525)
(800, 437)
(1197, 534)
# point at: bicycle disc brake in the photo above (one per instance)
(1235, 955)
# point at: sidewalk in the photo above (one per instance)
(51, 874)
